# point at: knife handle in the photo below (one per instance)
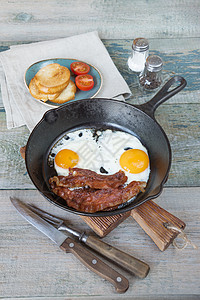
(128, 262)
(120, 283)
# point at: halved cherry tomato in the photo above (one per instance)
(84, 82)
(79, 68)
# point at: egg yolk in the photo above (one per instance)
(66, 158)
(134, 161)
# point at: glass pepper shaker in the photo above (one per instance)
(151, 77)
(140, 52)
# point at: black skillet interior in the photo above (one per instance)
(102, 114)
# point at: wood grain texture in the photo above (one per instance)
(102, 226)
(150, 216)
(92, 262)
(154, 220)
(25, 20)
(33, 267)
(11, 161)
(121, 258)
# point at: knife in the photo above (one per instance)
(68, 244)
(126, 261)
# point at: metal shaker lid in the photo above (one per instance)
(154, 63)
(140, 44)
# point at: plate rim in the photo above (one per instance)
(43, 60)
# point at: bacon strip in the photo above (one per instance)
(83, 177)
(92, 200)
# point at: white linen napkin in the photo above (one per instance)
(21, 108)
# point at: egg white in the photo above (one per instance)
(100, 150)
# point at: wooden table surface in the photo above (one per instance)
(31, 266)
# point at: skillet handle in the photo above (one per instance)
(164, 94)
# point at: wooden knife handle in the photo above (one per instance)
(120, 283)
(128, 262)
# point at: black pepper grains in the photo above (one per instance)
(151, 77)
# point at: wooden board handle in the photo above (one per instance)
(153, 219)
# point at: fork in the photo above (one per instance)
(126, 261)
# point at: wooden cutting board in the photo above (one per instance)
(151, 217)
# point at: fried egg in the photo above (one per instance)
(103, 151)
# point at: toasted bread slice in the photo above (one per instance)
(51, 90)
(67, 94)
(37, 94)
(53, 75)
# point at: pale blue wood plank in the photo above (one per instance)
(29, 20)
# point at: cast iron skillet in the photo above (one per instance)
(101, 114)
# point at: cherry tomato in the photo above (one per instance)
(79, 68)
(84, 82)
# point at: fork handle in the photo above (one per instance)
(126, 261)
(96, 265)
